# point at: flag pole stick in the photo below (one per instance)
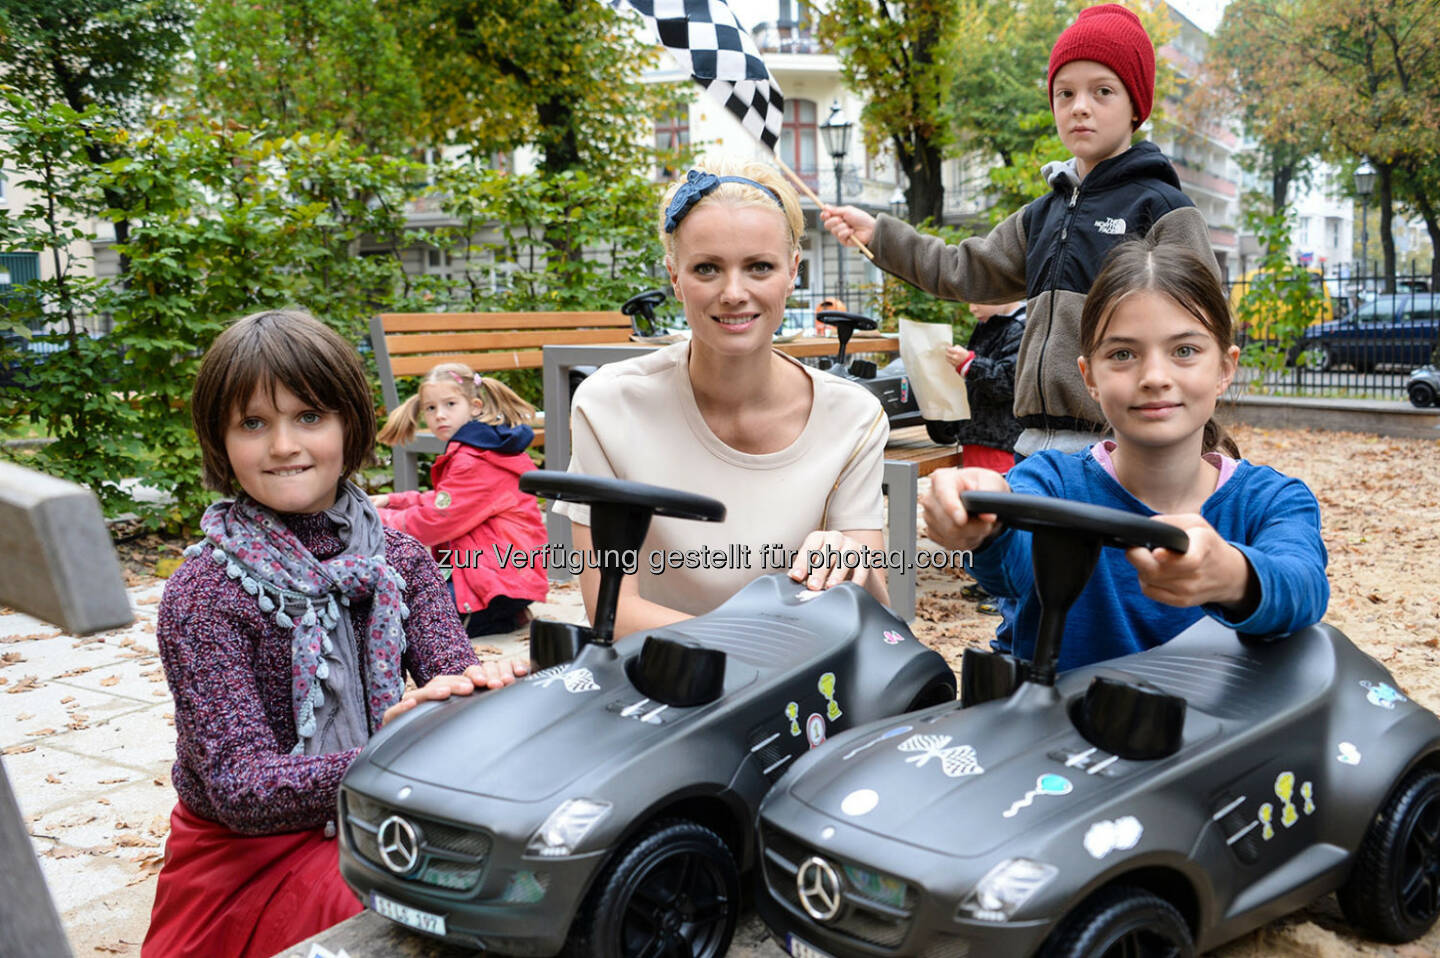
(804, 188)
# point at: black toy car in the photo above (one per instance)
(608, 799)
(1157, 804)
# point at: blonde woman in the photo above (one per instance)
(795, 454)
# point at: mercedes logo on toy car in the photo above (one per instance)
(399, 845)
(819, 888)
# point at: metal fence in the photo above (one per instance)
(1360, 341)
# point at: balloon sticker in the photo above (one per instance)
(1049, 784)
(891, 733)
(893, 638)
(792, 712)
(575, 680)
(1349, 754)
(1286, 791)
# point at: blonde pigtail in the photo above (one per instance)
(400, 427)
(501, 405)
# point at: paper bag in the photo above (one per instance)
(939, 389)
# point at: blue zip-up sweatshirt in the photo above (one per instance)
(1273, 519)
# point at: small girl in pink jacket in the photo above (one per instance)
(476, 521)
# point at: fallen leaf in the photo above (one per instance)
(28, 684)
(67, 700)
(63, 851)
(78, 670)
(113, 781)
(17, 749)
(52, 778)
(24, 716)
(103, 800)
(110, 680)
(41, 731)
(135, 841)
(1375, 597)
(10, 658)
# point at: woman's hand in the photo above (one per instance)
(946, 520)
(831, 550)
(493, 674)
(380, 501)
(848, 223)
(1210, 572)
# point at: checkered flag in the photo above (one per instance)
(708, 41)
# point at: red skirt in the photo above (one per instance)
(223, 893)
(987, 457)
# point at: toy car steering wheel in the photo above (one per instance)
(1115, 527)
(573, 487)
(1067, 541)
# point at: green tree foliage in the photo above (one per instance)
(227, 221)
(898, 55)
(308, 66)
(1365, 74)
(561, 75)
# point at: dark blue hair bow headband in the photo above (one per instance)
(698, 185)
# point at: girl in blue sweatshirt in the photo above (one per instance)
(1157, 354)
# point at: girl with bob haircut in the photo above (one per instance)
(286, 635)
(1158, 354)
(474, 509)
(794, 453)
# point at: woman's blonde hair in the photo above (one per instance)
(741, 194)
(499, 405)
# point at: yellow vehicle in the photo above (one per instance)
(1261, 327)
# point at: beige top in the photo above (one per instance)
(638, 420)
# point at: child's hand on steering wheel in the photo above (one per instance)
(1210, 572)
(946, 520)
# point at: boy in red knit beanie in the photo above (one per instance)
(1102, 85)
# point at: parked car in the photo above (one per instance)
(1392, 329)
(1423, 386)
(608, 800)
(1161, 803)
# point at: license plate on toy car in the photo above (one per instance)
(405, 915)
(799, 948)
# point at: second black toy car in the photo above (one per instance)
(608, 800)
(1161, 803)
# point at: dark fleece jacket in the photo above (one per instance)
(1050, 253)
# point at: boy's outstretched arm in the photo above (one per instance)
(946, 520)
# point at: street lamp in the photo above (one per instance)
(1364, 186)
(836, 131)
(897, 203)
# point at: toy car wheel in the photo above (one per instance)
(1393, 893)
(935, 692)
(1422, 395)
(1121, 921)
(675, 890)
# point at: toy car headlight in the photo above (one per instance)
(567, 825)
(1005, 888)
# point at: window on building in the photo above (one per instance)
(672, 134)
(799, 140)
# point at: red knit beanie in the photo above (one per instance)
(1113, 36)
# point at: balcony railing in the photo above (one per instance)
(786, 36)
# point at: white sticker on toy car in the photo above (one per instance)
(574, 680)
(891, 733)
(1049, 784)
(1102, 838)
(805, 595)
(893, 638)
(955, 760)
(860, 801)
(1382, 694)
(815, 729)
(1349, 754)
(827, 689)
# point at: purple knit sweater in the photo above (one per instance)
(228, 666)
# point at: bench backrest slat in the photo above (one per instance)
(481, 322)
(480, 342)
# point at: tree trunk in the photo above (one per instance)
(925, 193)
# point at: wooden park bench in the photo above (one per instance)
(410, 344)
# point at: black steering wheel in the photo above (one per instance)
(644, 304)
(850, 321)
(601, 490)
(1114, 527)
